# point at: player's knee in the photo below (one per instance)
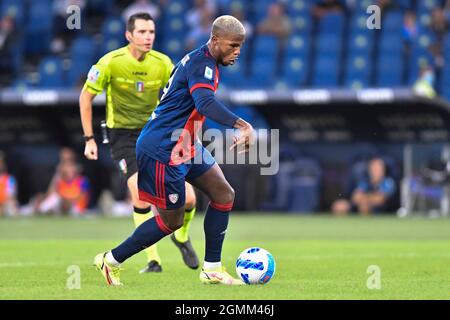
(191, 201)
(176, 224)
(227, 196)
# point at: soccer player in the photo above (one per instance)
(169, 153)
(133, 77)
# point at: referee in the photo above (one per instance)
(133, 77)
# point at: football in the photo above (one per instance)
(255, 266)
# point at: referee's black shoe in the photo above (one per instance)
(152, 266)
(187, 251)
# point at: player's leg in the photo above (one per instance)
(123, 151)
(142, 212)
(181, 236)
(209, 178)
(169, 198)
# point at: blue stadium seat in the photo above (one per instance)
(51, 73)
(358, 22)
(298, 7)
(15, 9)
(111, 44)
(302, 24)
(77, 73)
(390, 43)
(390, 70)
(392, 21)
(326, 71)
(361, 42)
(174, 48)
(265, 46)
(233, 76)
(113, 27)
(358, 69)
(427, 5)
(294, 71)
(332, 23)
(102, 6)
(228, 6)
(262, 71)
(83, 48)
(298, 46)
(329, 43)
(176, 9)
(39, 26)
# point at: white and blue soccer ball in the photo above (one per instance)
(255, 266)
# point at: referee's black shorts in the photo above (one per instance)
(123, 149)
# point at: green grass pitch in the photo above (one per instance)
(317, 257)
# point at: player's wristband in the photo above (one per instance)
(87, 138)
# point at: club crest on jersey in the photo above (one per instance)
(173, 198)
(140, 86)
(123, 166)
(208, 73)
(93, 74)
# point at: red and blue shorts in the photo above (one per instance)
(164, 185)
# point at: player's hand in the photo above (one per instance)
(246, 138)
(90, 150)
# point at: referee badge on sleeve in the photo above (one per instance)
(93, 74)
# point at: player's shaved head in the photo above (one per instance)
(227, 26)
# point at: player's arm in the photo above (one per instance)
(201, 86)
(86, 98)
(207, 105)
(95, 83)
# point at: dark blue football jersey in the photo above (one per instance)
(172, 130)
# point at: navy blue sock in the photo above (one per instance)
(215, 225)
(148, 233)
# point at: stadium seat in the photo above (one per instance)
(83, 48)
(233, 76)
(392, 21)
(265, 46)
(390, 70)
(262, 72)
(390, 43)
(113, 27)
(329, 44)
(360, 43)
(39, 26)
(15, 9)
(326, 71)
(358, 70)
(332, 24)
(298, 7)
(427, 5)
(294, 71)
(302, 24)
(51, 73)
(110, 44)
